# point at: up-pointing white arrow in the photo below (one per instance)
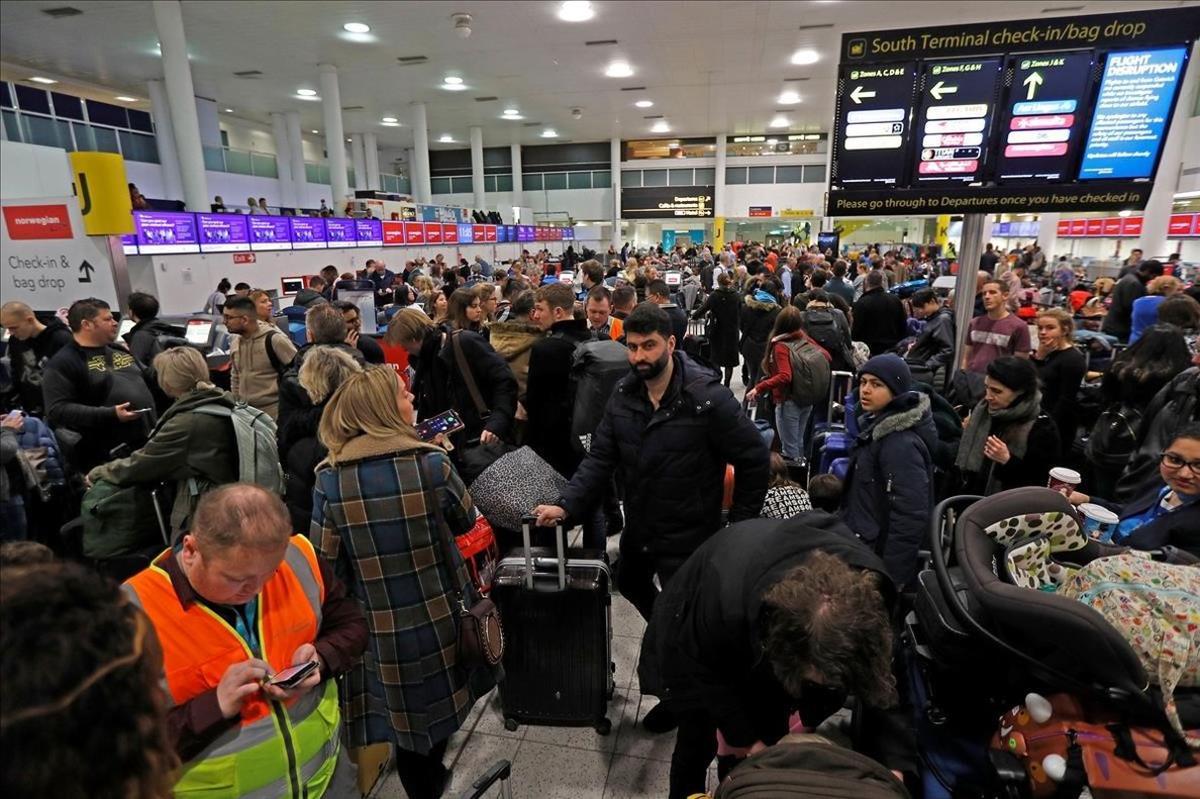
(859, 93)
(940, 88)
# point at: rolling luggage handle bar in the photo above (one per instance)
(560, 535)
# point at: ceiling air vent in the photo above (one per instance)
(532, 125)
(654, 116)
(814, 27)
(633, 88)
(794, 80)
(486, 99)
(249, 73)
(1056, 9)
(352, 108)
(411, 60)
(61, 11)
(600, 43)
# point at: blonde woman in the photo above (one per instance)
(394, 557)
(264, 308)
(1061, 368)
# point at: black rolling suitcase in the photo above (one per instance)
(558, 635)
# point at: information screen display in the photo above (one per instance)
(223, 232)
(874, 113)
(433, 232)
(568, 234)
(163, 232)
(465, 233)
(340, 232)
(1044, 117)
(308, 232)
(1133, 109)
(449, 234)
(369, 232)
(667, 202)
(270, 233)
(954, 118)
(414, 232)
(129, 243)
(525, 233)
(393, 233)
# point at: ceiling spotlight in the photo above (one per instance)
(356, 27)
(1125, 213)
(512, 117)
(462, 24)
(644, 103)
(40, 79)
(549, 133)
(511, 112)
(575, 11)
(446, 138)
(306, 92)
(618, 69)
(454, 80)
(348, 140)
(788, 97)
(661, 126)
(576, 113)
(126, 99)
(805, 56)
(316, 131)
(310, 97)
(390, 124)
(779, 122)
(390, 119)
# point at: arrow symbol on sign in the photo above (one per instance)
(940, 89)
(859, 93)
(85, 272)
(1033, 81)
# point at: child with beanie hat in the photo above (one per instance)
(892, 370)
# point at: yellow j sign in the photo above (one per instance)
(103, 193)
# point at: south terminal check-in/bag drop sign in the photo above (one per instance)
(1066, 114)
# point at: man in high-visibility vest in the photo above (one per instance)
(237, 601)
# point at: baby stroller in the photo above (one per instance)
(980, 644)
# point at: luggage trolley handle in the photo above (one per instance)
(560, 544)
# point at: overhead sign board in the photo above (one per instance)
(45, 268)
(667, 202)
(1064, 114)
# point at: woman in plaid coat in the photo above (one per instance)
(373, 518)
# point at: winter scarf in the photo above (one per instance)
(765, 296)
(1019, 417)
(363, 447)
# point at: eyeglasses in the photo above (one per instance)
(1173, 461)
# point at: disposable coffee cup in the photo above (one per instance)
(1064, 480)
(1099, 523)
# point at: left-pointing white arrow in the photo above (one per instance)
(859, 93)
(940, 89)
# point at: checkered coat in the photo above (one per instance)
(372, 519)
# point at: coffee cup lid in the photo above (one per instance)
(1098, 512)
(1065, 475)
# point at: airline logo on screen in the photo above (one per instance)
(31, 222)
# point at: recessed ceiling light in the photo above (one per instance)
(661, 127)
(788, 97)
(227, 110)
(511, 111)
(805, 56)
(316, 131)
(127, 99)
(452, 79)
(454, 87)
(390, 124)
(348, 140)
(390, 119)
(779, 122)
(356, 27)
(446, 138)
(644, 103)
(618, 69)
(513, 117)
(309, 97)
(306, 92)
(575, 11)
(40, 79)
(549, 133)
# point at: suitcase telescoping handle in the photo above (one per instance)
(560, 535)
(499, 772)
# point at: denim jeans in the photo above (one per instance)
(791, 423)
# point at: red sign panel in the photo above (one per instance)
(1078, 227)
(489, 232)
(760, 210)
(1196, 224)
(433, 233)
(449, 234)
(477, 234)
(244, 258)
(556, 233)
(1112, 226)
(393, 233)
(1064, 227)
(1095, 227)
(1178, 225)
(31, 222)
(414, 232)
(1131, 226)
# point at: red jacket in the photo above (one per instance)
(779, 366)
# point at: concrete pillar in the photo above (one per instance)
(518, 189)
(283, 160)
(209, 121)
(296, 153)
(615, 171)
(1156, 217)
(335, 138)
(181, 98)
(358, 157)
(719, 179)
(371, 148)
(410, 160)
(975, 229)
(1047, 238)
(480, 199)
(421, 187)
(164, 138)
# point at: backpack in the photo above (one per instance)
(1175, 405)
(258, 454)
(120, 521)
(276, 363)
(822, 328)
(1114, 436)
(802, 766)
(811, 372)
(596, 368)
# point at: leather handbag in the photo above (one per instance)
(480, 632)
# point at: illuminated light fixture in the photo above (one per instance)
(772, 141)
(511, 112)
(454, 87)
(40, 79)
(390, 124)
(126, 99)
(644, 103)
(1125, 213)
(306, 92)
(389, 119)
(549, 133)
(446, 138)
(661, 126)
(309, 97)
(356, 27)
(576, 11)
(805, 57)
(779, 122)
(788, 97)
(316, 131)
(513, 117)
(452, 80)
(618, 69)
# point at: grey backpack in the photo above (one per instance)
(810, 767)
(258, 454)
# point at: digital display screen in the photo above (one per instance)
(163, 232)
(450, 234)
(501, 233)
(308, 232)
(198, 331)
(489, 233)
(393, 233)
(874, 112)
(667, 202)
(270, 233)
(569, 233)
(465, 233)
(1044, 117)
(525, 233)
(478, 234)
(433, 232)
(1133, 109)
(414, 232)
(954, 119)
(340, 232)
(129, 243)
(223, 232)
(369, 232)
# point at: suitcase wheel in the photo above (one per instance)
(510, 724)
(603, 726)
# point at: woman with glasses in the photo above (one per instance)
(1168, 513)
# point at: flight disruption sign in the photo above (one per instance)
(1066, 114)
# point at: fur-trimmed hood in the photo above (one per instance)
(510, 339)
(759, 305)
(906, 412)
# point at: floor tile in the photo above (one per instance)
(625, 618)
(476, 757)
(582, 737)
(558, 772)
(491, 720)
(625, 651)
(632, 739)
(634, 778)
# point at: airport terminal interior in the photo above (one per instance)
(625, 398)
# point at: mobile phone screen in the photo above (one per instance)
(447, 422)
(293, 675)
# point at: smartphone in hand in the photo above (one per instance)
(293, 675)
(444, 423)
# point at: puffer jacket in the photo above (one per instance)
(513, 341)
(757, 321)
(934, 347)
(41, 459)
(671, 461)
(889, 483)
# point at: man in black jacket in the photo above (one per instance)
(325, 325)
(934, 347)
(766, 618)
(143, 337)
(31, 345)
(667, 433)
(1118, 322)
(548, 396)
(879, 319)
(659, 293)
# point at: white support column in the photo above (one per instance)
(209, 121)
(358, 157)
(335, 138)
(615, 171)
(719, 178)
(421, 188)
(371, 148)
(164, 138)
(1047, 238)
(480, 200)
(296, 151)
(518, 189)
(1157, 216)
(283, 160)
(181, 97)
(410, 159)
